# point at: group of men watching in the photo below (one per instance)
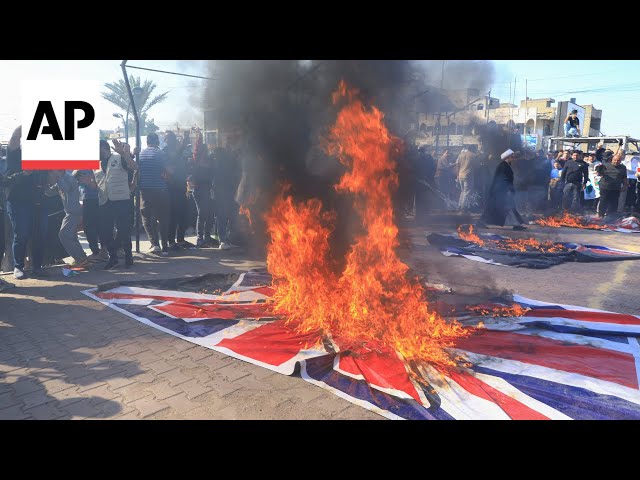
(569, 180)
(103, 201)
(576, 176)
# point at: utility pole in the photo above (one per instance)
(486, 113)
(438, 126)
(526, 111)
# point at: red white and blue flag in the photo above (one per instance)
(453, 246)
(554, 362)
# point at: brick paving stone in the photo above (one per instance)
(331, 404)
(37, 398)
(47, 411)
(17, 375)
(82, 409)
(184, 346)
(9, 399)
(133, 392)
(20, 346)
(145, 377)
(355, 412)
(214, 362)
(131, 415)
(77, 371)
(68, 397)
(160, 367)
(148, 406)
(197, 354)
(164, 390)
(180, 403)
(184, 362)
(14, 413)
(117, 381)
(111, 371)
(101, 392)
(146, 357)
(223, 387)
(112, 410)
(30, 354)
(56, 385)
(175, 377)
(161, 346)
(9, 365)
(14, 339)
(22, 387)
(306, 393)
(193, 389)
(134, 348)
(227, 413)
(232, 372)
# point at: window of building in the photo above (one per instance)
(452, 128)
(529, 127)
(480, 106)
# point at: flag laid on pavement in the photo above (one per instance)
(452, 246)
(555, 362)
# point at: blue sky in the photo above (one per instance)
(609, 85)
(176, 108)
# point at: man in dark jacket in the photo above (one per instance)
(25, 206)
(575, 176)
(201, 181)
(177, 185)
(613, 179)
(500, 208)
(225, 185)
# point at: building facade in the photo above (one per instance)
(454, 123)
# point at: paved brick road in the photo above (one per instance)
(63, 355)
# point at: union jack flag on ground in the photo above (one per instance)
(554, 362)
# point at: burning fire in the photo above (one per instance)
(466, 232)
(492, 310)
(567, 220)
(371, 303)
(244, 209)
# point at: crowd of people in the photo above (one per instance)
(185, 184)
(568, 180)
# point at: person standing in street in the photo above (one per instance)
(500, 208)
(155, 204)
(112, 180)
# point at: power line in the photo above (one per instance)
(171, 73)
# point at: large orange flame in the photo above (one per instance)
(372, 302)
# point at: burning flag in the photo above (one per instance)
(548, 361)
(623, 225)
(370, 304)
(528, 253)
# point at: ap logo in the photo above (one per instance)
(60, 118)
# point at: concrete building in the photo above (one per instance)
(452, 123)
